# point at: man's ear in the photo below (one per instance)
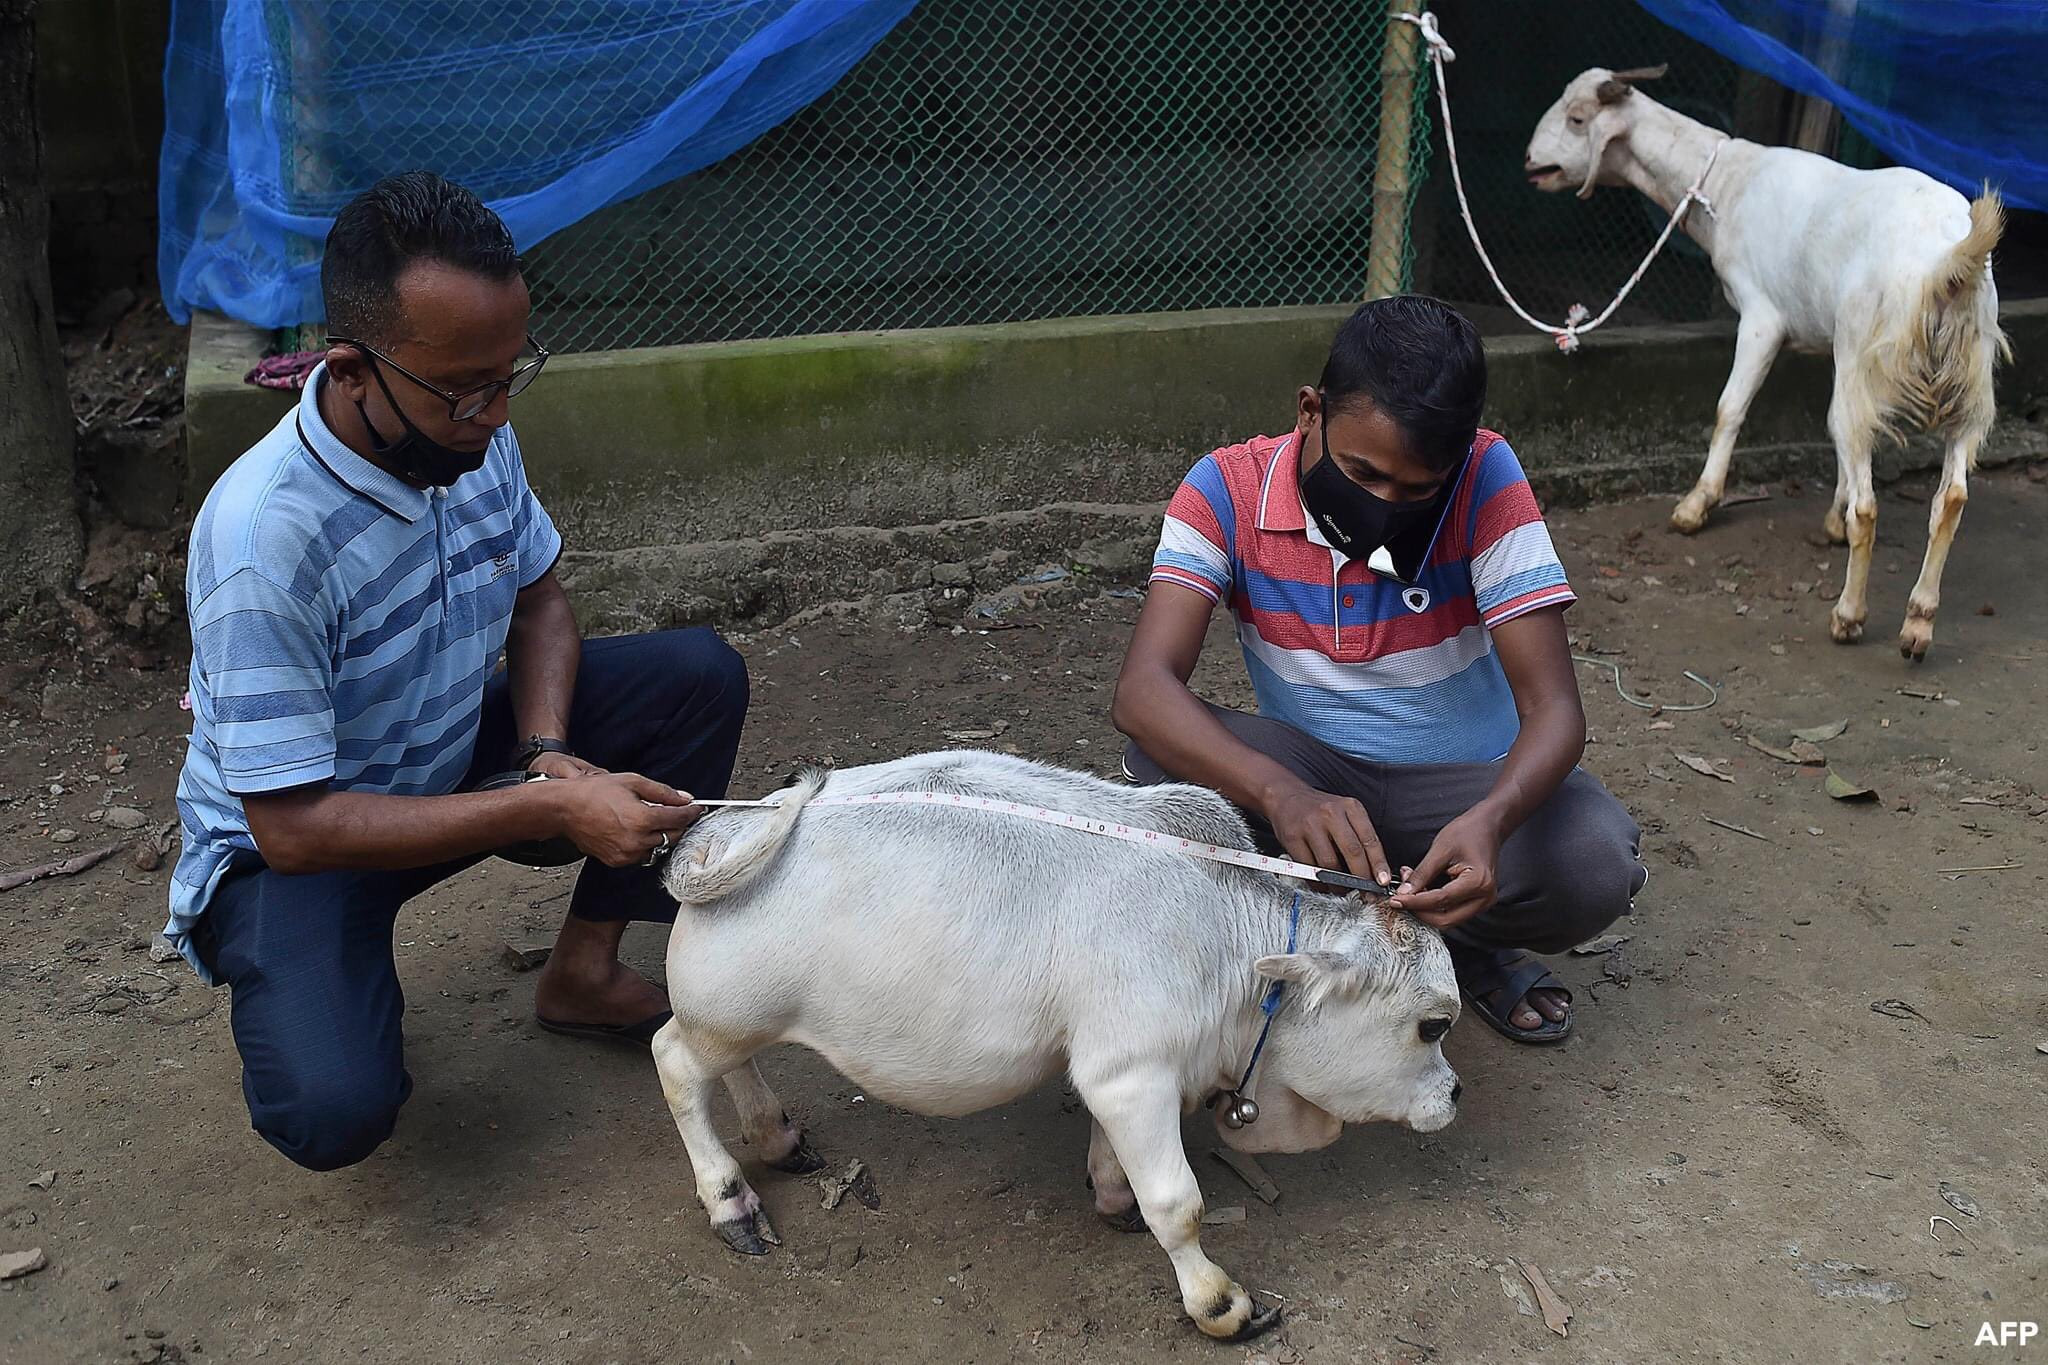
(1307, 403)
(1318, 974)
(348, 369)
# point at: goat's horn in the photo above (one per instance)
(1642, 73)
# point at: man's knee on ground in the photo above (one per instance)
(331, 1125)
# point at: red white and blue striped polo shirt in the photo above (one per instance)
(1393, 674)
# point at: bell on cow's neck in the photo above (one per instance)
(1239, 1110)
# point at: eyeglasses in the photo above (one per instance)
(468, 403)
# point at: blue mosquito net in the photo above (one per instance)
(278, 112)
(1954, 88)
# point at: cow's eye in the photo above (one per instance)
(1433, 1029)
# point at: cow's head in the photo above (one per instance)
(1359, 1037)
(1571, 140)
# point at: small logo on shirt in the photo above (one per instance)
(1415, 599)
(502, 565)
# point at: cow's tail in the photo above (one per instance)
(715, 868)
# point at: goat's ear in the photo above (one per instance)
(1642, 73)
(1318, 974)
(1607, 125)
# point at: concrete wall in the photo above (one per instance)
(752, 479)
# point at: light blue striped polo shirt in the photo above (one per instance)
(343, 626)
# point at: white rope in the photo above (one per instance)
(1576, 319)
(1108, 829)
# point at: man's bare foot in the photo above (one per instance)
(585, 983)
(1540, 1004)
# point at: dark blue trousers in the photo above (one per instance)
(317, 1009)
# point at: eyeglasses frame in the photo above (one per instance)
(522, 377)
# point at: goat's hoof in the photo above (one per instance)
(1688, 517)
(1131, 1219)
(1844, 631)
(748, 1236)
(801, 1159)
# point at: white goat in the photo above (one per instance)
(1889, 271)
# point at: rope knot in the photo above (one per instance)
(1439, 50)
(1574, 318)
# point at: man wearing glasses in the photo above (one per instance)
(353, 582)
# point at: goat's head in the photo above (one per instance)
(1572, 138)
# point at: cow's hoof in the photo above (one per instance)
(801, 1159)
(1131, 1219)
(1236, 1316)
(1835, 527)
(1262, 1321)
(1844, 631)
(1689, 516)
(749, 1236)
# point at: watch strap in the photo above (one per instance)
(536, 745)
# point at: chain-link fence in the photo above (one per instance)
(1001, 160)
(1514, 59)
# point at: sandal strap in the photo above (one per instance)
(1507, 975)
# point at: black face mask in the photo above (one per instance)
(1358, 523)
(416, 455)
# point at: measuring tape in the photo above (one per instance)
(1107, 829)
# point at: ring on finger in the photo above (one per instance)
(655, 853)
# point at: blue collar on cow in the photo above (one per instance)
(1239, 1108)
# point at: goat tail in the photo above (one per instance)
(713, 869)
(1936, 369)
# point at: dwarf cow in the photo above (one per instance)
(949, 959)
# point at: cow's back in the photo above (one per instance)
(972, 944)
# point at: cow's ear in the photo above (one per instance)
(1318, 974)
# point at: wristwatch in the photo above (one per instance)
(536, 745)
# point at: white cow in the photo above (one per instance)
(948, 959)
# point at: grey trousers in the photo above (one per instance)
(1564, 876)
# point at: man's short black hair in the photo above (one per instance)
(398, 222)
(1419, 361)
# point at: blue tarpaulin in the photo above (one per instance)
(1955, 88)
(278, 112)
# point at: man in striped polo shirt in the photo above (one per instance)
(1401, 613)
(353, 581)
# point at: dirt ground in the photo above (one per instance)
(1812, 1031)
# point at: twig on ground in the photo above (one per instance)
(63, 867)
